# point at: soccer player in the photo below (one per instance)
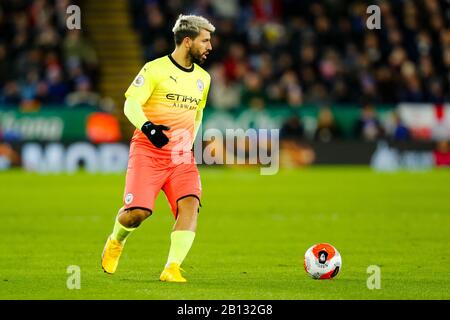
(165, 103)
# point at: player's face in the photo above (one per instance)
(201, 46)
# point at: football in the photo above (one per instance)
(322, 261)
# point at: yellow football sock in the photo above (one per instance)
(121, 233)
(181, 242)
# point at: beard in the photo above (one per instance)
(196, 56)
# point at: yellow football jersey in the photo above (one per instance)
(170, 95)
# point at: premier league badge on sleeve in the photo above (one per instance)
(200, 85)
(139, 81)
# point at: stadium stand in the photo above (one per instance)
(267, 54)
(291, 52)
(42, 62)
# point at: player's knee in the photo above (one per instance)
(188, 206)
(139, 215)
(133, 217)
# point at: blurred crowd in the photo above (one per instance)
(266, 53)
(366, 127)
(42, 62)
(269, 52)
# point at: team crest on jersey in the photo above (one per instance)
(139, 81)
(128, 198)
(200, 85)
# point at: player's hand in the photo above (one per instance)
(155, 134)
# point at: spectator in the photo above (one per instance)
(327, 129)
(292, 128)
(4, 65)
(442, 154)
(253, 94)
(83, 95)
(225, 94)
(400, 131)
(11, 93)
(77, 48)
(28, 87)
(235, 64)
(317, 95)
(57, 88)
(368, 126)
(412, 91)
(436, 92)
(292, 90)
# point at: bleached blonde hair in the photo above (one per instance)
(190, 26)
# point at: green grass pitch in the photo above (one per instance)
(252, 234)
